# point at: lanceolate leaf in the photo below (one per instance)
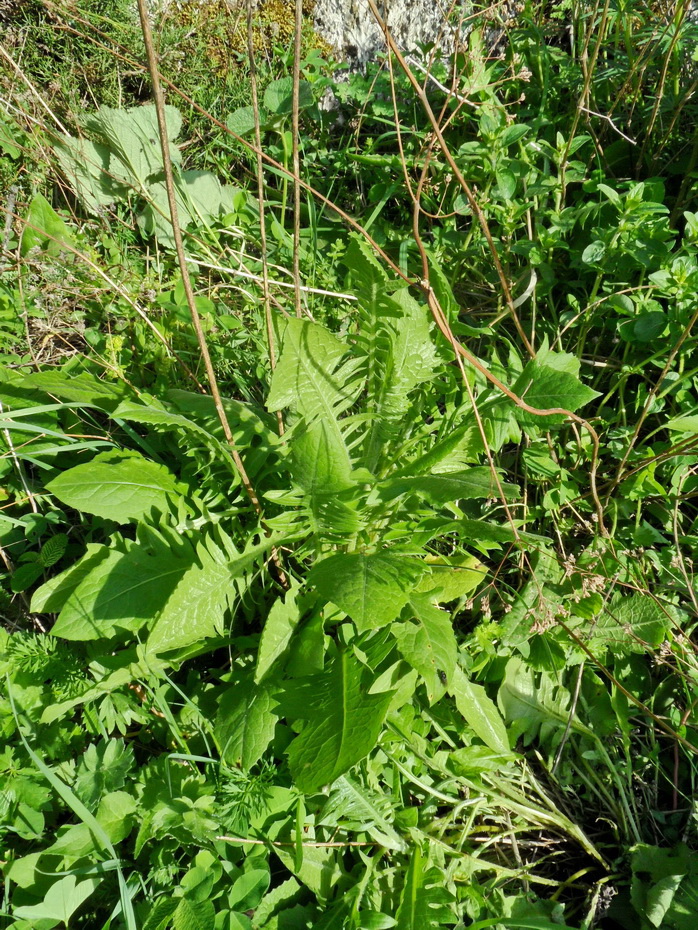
(321, 466)
(429, 645)
(371, 589)
(119, 486)
(245, 722)
(479, 711)
(343, 721)
(278, 631)
(442, 488)
(424, 900)
(403, 357)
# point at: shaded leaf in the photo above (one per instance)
(342, 724)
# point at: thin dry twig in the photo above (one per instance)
(295, 142)
(159, 100)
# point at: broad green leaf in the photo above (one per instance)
(51, 596)
(134, 141)
(245, 722)
(519, 923)
(278, 95)
(630, 624)
(102, 768)
(124, 591)
(249, 889)
(429, 645)
(241, 121)
(44, 228)
(119, 486)
(543, 385)
(196, 608)
(479, 711)
(320, 465)
(85, 165)
(115, 814)
(200, 202)
(194, 915)
(476, 482)
(62, 899)
(342, 722)
(594, 252)
(279, 898)
(307, 377)
(307, 650)
(160, 916)
(278, 631)
(688, 424)
(371, 589)
(451, 577)
(81, 388)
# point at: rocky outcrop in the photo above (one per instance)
(351, 29)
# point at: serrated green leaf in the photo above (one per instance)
(545, 386)
(278, 631)
(371, 589)
(342, 724)
(306, 376)
(480, 712)
(194, 915)
(630, 624)
(245, 722)
(357, 807)
(401, 356)
(119, 486)
(196, 607)
(429, 645)
(424, 900)
(53, 550)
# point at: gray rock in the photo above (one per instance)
(351, 29)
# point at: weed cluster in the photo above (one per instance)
(347, 518)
